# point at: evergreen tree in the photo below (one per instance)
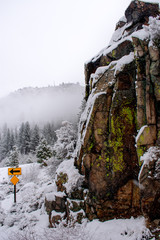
(21, 141)
(13, 159)
(43, 151)
(8, 140)
(35, 137)
(49, 133)
(12, 140)
(24, 138)
(66, 140)
(27, 138)
(16, 136)
(5, 146)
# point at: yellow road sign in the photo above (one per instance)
(14, 171)
(14, 180)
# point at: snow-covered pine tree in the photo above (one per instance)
(16, 136)
(66, 140)
(21, 142)
(12, 140)
(43, 151)
(5, 146)
(27, 137)
(13, 159)
(49, 133)
(24, 138)
(35, 137)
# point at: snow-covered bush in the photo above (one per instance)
(25, 235)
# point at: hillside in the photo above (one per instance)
(42, 105)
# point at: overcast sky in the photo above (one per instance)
(46, 42)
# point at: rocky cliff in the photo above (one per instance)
(117, 152)
(122, 115)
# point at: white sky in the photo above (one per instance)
(46, 42)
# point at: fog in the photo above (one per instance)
(41, 105)
(47, 41)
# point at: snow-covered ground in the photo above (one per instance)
(28, 220)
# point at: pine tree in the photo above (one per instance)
(43, 151)
(5, 142)
(21, 142)
(35, 137)
(24, 138)
(13, 159)
(49, 133)
(16, 136)
(12, 140)
(66, 139)
(27, 137)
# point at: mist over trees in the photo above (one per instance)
(41, 105)
(49, 129)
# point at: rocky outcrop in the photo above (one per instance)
(122, 115)
(67, 202)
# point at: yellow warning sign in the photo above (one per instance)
(14, 171)
(14, 180)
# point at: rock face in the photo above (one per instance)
(122, 115)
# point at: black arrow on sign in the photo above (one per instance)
(14, 171)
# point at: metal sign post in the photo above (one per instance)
(15, 193)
